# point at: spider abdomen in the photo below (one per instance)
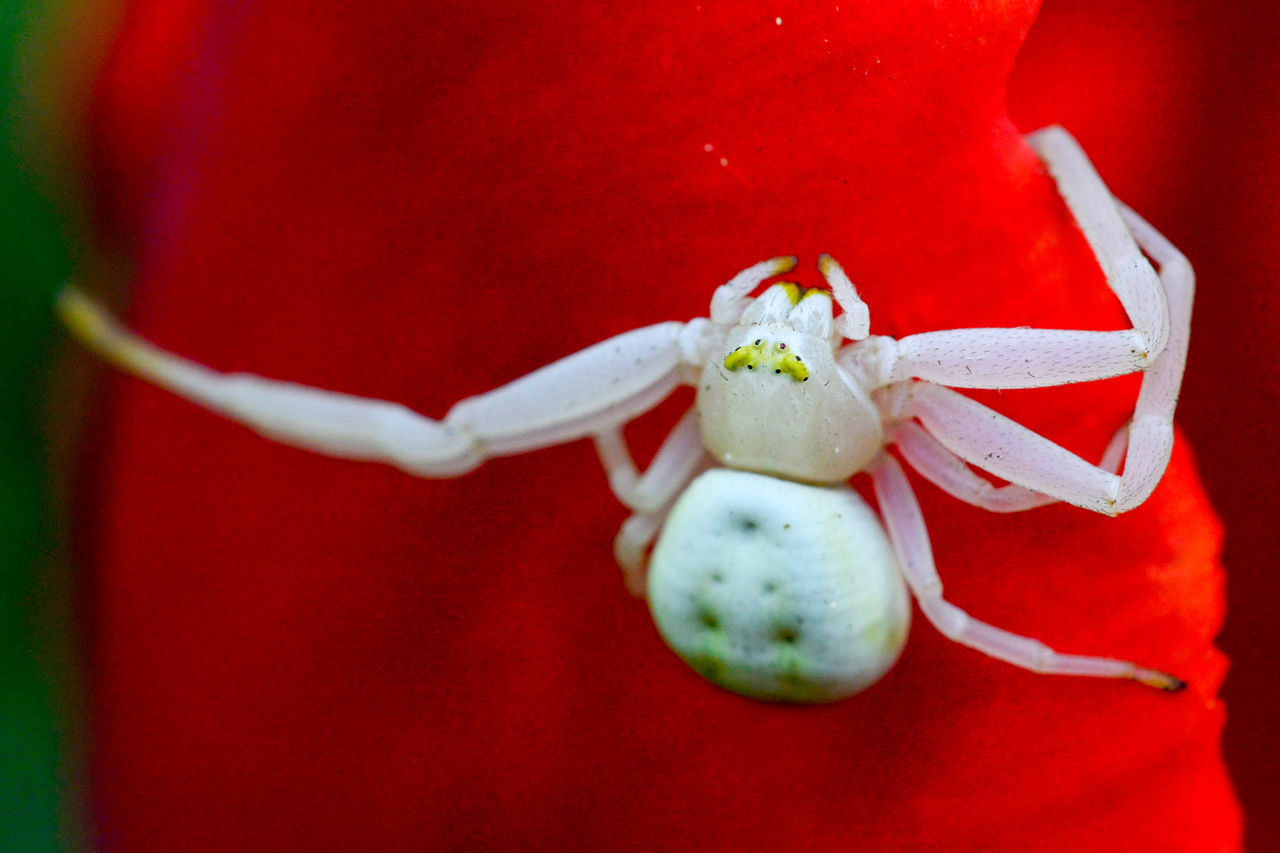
(778, 590)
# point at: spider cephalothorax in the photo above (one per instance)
(769, 575)
(760, 410)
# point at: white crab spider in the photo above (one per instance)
(771, 576)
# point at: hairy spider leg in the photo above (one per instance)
(580, 395)
(327, 422)
(1009, 450)
(649, 496)
(1033, 358)
(731, 299)
(855, 323)
(953, 475)
(910, 539)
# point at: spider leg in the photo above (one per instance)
(855, 323)
(680, 458)
(672, 467)
(987, 439)
(1032, 358)
(732, 298)
(910, 539)
(995, 443)
(953, 475)
(583, 394)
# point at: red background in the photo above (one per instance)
(419, 204)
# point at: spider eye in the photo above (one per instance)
(782, 346)
(757, 342)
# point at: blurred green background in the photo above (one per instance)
(37, 784)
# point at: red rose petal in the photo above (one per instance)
(420, 203)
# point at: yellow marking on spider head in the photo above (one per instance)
(742, 357)
(796, 293)
(768, 356)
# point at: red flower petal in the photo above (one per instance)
(420, 203)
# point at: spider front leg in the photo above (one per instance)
(997, 444)
(910, 539)
(586, 393)
(732, 298)
(1033, 358)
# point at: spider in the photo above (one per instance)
(770, 575)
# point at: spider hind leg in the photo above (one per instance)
(910, 539)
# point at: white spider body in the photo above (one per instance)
(778, 590)
(803, 587)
